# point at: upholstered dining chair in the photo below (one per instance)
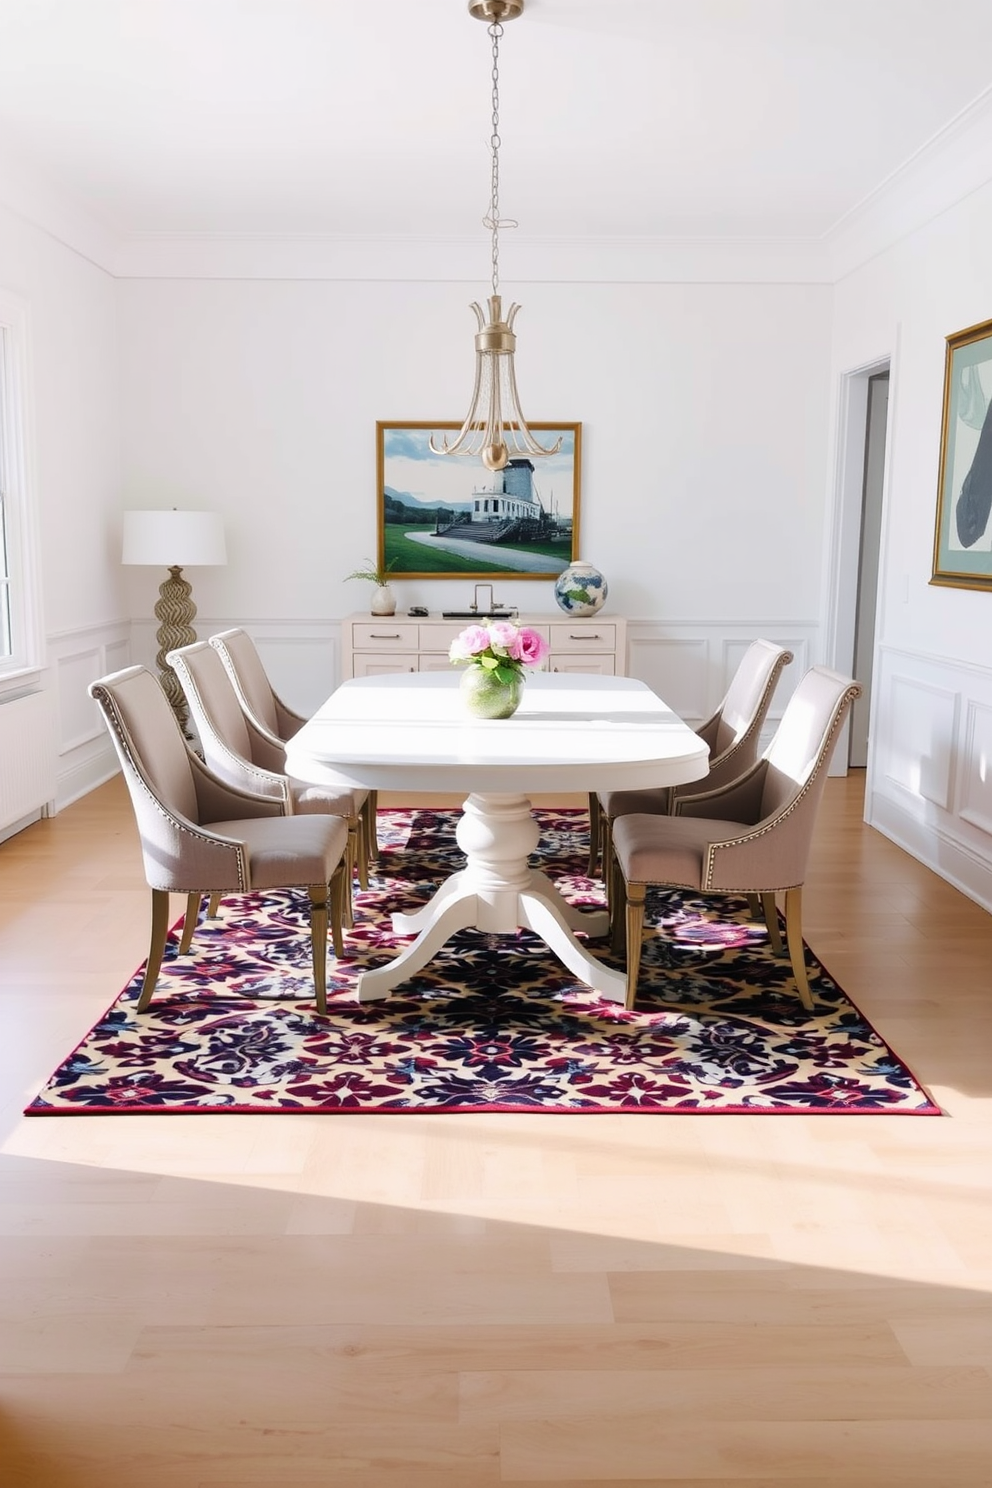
(271, 717)
(751, 836)
(248, 757)
(733, 734)
(200, 835)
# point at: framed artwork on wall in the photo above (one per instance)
(448, 517)
(962, 549)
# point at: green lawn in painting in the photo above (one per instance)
(406, 557)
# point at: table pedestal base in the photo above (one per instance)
(497, 891)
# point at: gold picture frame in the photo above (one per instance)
(962, 548)
(526, 518)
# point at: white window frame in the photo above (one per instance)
(26, 656)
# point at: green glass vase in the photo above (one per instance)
(485, 696)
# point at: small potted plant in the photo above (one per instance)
(383, 599)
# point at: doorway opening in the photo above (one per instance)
(858, 530)
(876, 421)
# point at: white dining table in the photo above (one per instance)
(410, 732)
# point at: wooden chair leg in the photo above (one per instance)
(770, 913)
(354, 859)
(213, 908)
(190, 919)
(794, 935)
(340, 893)
(634, 925)
(615, 904)
(370, 811)
(358, 848)
(595, 834)
(318, 942)
(156, 949)
(754, 905)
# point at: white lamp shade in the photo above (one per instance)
(174, 539)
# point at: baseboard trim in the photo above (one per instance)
(946, 856)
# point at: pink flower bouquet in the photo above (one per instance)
(500, 648)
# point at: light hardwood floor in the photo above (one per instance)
(272, 1302)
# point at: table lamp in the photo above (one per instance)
(174, 540)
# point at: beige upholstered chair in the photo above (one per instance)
(241, 753)
(733, 734)
(200, 835)
(271, 718)
(749, 837)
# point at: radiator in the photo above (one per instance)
(27, 756)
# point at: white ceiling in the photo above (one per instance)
(620, 118)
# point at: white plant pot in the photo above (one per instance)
(383, 600)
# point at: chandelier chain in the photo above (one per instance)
(495, 31)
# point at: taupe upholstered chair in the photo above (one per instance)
(248, 757)
(733, 734)
(201, 836)
(750, 837)
(270, 717)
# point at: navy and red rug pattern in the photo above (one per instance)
(493, 1023)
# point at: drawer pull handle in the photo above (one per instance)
(374, 637)
(584, 637)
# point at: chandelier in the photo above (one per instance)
(494, 426)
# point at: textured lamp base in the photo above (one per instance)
(176, 612)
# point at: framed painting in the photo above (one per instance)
(962, 549)
(448, 517)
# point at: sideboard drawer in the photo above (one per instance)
(438, 638)
(584, 637)
(387, 635)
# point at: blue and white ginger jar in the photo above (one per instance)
(581, 589)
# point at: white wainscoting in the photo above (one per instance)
(302, 657)
(85, 755)
(930, 765)
(691, 666)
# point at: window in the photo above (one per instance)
(19, 609)
(6, 645)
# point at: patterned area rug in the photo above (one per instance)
(493, 1023)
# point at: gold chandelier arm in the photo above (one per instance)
(519, 432)
(458, 445)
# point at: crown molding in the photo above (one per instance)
(952, 165)
(26, 193)
(534, 260)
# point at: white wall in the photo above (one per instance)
(930, 775)
(74, 386)
(74, 456)
(704, 412)
(706, 490)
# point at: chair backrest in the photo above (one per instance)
(158, 769)
(248, 676)
(150, 746)
(798, 756)
(229, 747)
(734, 731)
(745, 707)
(781, 797)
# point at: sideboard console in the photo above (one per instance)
(372, 645)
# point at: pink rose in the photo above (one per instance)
(473, 639)
(503, 638)
(532, 648)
